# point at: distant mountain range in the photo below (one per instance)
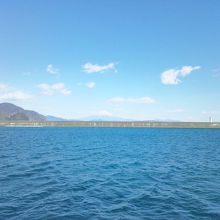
(104, 118)
(11, 112)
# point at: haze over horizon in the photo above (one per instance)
(141, 60)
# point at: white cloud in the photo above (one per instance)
(171, 76)
(104, 113)
(90, 85)
(141, 100)
(8, 93)
(48, 89)
(52, 70)
(95, 68)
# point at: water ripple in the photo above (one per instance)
(84, 173)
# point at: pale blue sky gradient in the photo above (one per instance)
(141, 39)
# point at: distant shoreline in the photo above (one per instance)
(110, 124)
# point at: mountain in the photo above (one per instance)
(104, 118)
(54, 118)
(11, 112)
(111, 118)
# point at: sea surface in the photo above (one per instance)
(109, 173)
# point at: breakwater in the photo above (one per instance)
(111, 124)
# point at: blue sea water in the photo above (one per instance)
(109, 173)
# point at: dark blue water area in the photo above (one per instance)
(109, 173)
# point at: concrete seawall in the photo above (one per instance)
(111, 124)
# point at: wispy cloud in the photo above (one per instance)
(52, 70)
(140, 100)
(95, 68)
(8, 93)
(104, 113)
(171, 76)
(26, 74)
(4, 87)
(79, 84)
(90, 85)
(216, 73)
(213, 112)
(51, 89)
(177, 110)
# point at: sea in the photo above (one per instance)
(109, 173)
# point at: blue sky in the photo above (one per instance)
(135, 59)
